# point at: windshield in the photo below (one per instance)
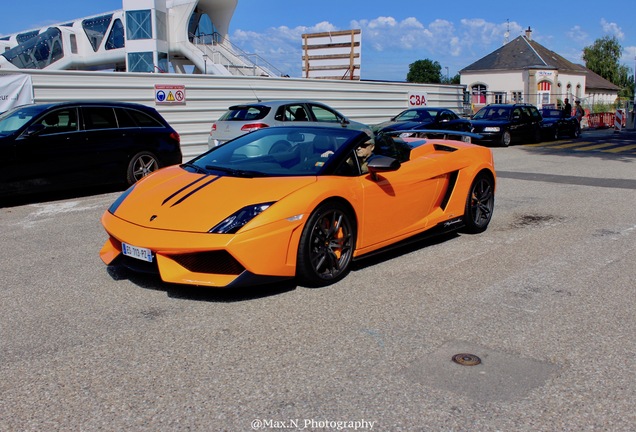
(414, 116)
(493, 113)
(245, 113)
(13, 120)
(551, 113)
(277, 151)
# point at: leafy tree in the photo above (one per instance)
(454, 80)
(425, 71)
(603, 58)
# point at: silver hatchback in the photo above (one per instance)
(241, 119)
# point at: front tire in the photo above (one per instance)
(479, 204)
(506, 139)
(141, 165)
(326, 245)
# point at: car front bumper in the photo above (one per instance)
(257, 256)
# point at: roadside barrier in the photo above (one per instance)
(618, 121)
(606, 120)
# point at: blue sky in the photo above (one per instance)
(394, 33)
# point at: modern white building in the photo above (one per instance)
(523, 70)
(181, 36)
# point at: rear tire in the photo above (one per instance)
(326, 245)
(141, 165)
(480, 203)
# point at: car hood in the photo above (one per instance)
(177, 200)
(405, 125)
(480, 124)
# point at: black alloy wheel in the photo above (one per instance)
(326, 245)
(479, 204)
(140, 165)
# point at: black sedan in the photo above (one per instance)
(556, 123)
(504, 124)
(425, 118)
(74, 144)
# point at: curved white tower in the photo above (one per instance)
(144, 36)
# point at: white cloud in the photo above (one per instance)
(388, 43)
(612, 29)
(577, 34)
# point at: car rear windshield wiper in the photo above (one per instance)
(235, 172)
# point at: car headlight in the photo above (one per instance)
(492, 129)
(236, 221)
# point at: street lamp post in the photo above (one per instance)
(447, 75)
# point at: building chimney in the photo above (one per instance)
(529, 33)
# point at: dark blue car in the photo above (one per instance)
(425, 119)
(557, 123)
(504, 124)
(75, 144)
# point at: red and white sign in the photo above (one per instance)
(170, 94)
(417, 99)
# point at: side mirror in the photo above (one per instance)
(296, 137)
(378, 164)
(34, 130)
(344, 122)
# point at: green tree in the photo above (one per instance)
(425, 71)
(603, 57)
(454, 80)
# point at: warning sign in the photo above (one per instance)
(170, 94)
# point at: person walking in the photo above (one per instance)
(579, 113)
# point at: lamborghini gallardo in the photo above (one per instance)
(296, 202)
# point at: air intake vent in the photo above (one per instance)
(444, 148)
(216, 262)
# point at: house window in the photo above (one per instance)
(23, 37)
(162, 26)
(116, 36)
(139, 24)
(543, 93)
(162, 60)
(73, 44)
(479, 94)
(500, 98)
(517, 97)
(37, 52)
(140, 62)
(95, 29)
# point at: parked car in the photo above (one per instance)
(241, 119)
(557, 123)
(287, 202)
(425, 118)
(70, 144)
(504, 124)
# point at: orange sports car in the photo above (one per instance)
(298, 202)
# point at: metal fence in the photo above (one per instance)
(207, 97)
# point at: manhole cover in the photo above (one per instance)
(466, 359)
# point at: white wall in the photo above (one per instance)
(207, 96)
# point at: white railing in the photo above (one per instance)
(233, 58)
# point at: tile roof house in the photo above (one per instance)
(525, 71)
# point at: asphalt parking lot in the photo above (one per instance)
(545, 298)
